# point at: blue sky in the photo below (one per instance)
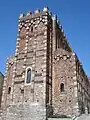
(73, 14)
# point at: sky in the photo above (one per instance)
(74, 16)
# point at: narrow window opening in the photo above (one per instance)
(28, 80)
(31, 29)
(62, 87)
(9, 90)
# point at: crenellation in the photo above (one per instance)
(34, 16)
(29, 13)
(45, 9)
(37, 11)
(21, 16)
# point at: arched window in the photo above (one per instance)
(28, 78)
(62, 87)
(9, 90)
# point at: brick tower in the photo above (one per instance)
(42, 78)
(28, 76)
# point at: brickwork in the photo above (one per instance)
(43, 56)
(83, 89)
(64, 72)
(1, 86)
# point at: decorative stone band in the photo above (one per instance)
(17, 46)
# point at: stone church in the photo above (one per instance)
(45, 76)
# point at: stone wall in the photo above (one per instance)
(83, 89)
(64, 100)
(24, 112)
(55, 79)
(1, 85)
(34, 51)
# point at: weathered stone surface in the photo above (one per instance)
(1, 85)
(24, 112)
(45, 77)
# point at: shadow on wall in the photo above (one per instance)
(60, 117)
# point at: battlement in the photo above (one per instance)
(37, 13)
(43, 16)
